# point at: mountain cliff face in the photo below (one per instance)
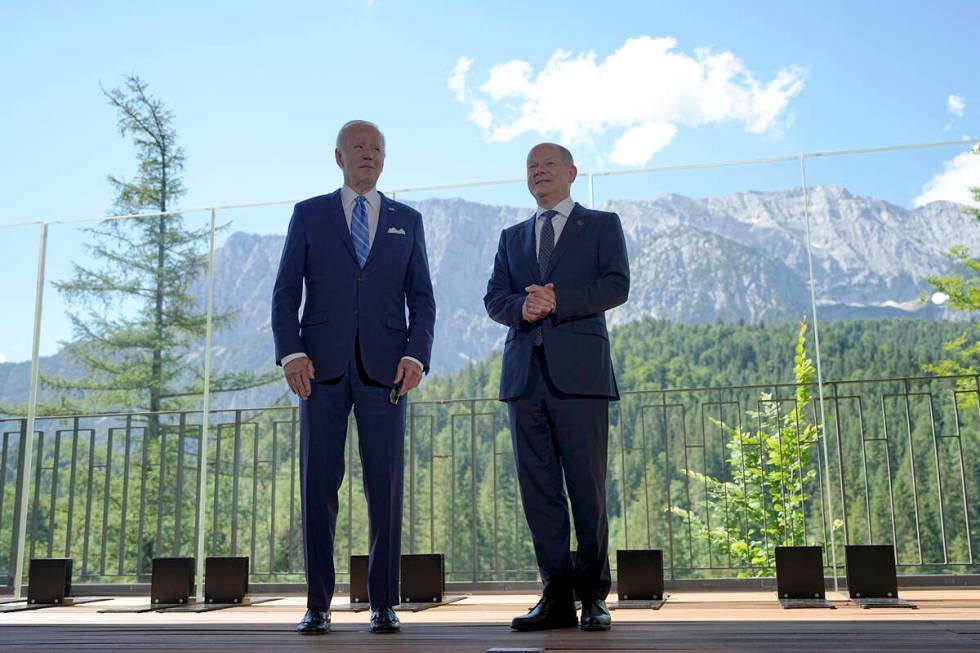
(738, 257)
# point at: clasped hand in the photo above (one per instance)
(539, 302)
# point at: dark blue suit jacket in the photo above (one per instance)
(590, 270)
(344, 302)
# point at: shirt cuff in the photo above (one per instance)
(291, 357)
(416, 361)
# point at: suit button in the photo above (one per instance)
(359, 279)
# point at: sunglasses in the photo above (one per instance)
(395, 394)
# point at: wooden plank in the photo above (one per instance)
(945, 621)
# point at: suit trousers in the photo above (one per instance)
(560, 441)
(323, 434)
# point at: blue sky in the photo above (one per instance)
(259, 90)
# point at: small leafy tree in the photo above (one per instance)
(767, 497)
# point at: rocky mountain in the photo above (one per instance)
(738, 257)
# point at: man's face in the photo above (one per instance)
(361, 157)
(549, 178)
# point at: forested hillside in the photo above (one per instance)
(894, 443)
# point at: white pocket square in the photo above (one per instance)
(396, 230)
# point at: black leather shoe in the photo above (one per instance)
(547, 614)
(595, 615)
(315, 622)
(384, 620)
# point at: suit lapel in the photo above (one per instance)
(385, 213)
(574, 226)
(527, 249)
(339, 223)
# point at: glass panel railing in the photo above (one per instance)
(253, 488)
(714, 454)
(120, 394)
(896, 349)
(717, 452)
(19, 248)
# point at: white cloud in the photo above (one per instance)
(954, 182)
(3, 357)
(956, 104)
(511, 79)
(457, 81)
(481, 114)
(645, 90)
(637, 145)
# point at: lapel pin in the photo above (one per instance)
(391, 209)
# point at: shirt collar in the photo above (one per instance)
(347, 196)
(564, 208)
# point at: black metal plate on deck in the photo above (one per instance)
(640, 575)
(871, 571)
(799, 573)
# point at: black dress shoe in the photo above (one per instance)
(547, 614)
(595, 615)
(384, 620)
(315, 622)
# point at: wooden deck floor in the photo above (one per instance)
(946, 620)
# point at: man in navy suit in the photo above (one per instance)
(554, 277)
(362, 259)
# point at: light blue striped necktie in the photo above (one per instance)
(359, 230)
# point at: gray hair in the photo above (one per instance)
(342, 134)
(566, 155)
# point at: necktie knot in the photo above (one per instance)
(547, 215)
(360, 199)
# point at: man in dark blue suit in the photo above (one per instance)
(554, 277)
(362, 259)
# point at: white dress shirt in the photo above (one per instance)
(348, 198)
(373, 205)
(564, 209)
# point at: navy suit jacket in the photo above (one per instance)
(343, 301)
(590, 270)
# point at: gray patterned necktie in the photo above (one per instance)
(545, 248)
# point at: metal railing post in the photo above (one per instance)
(28, 440)
(816, 341)
(202, 450)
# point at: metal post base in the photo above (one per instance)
(69, 601)
(636, 604)
(790, 604)
(210, 607)
(418, 606)
(146, 607)
(414, 606)
(350, 607)
(883, 603)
